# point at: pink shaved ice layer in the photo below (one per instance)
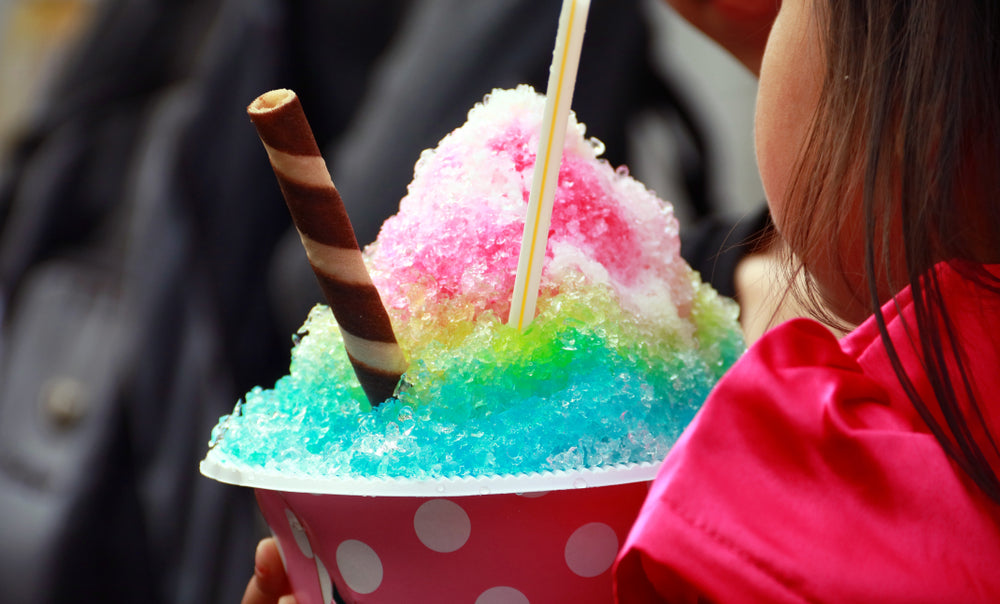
(428, 252)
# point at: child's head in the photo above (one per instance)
(878, 137)
(878, 132)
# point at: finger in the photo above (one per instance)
(269, 581)
(254, 595)
(269, 570)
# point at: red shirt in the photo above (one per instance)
(808, 477)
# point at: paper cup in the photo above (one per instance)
(534, 538)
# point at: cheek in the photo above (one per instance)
(787, 96)
(791, 80)
(774, 158)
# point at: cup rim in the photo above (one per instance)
(223, 469)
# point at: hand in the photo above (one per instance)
(739, 26)
(269, 584)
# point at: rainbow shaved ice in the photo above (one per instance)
(625, 346)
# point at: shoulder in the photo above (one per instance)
(798, 384)
(796, 453)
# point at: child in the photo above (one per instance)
(864, 469)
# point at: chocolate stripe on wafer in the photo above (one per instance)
(320, 217)
(361, 301)
(318, 212)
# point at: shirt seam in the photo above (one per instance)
(755, 562)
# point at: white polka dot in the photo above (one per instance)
(360, 566)
(502, 595)
(442, 525)
(325, 584)
(591, 549)
(299, 533)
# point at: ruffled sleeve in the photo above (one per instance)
(795, 456)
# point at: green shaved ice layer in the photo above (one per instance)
(587, 384)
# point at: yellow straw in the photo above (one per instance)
(559, 97)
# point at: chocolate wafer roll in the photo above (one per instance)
(328, 237)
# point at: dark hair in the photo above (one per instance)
(909, 123)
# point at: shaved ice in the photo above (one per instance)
(626, 343)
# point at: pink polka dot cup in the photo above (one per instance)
(537, 539)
